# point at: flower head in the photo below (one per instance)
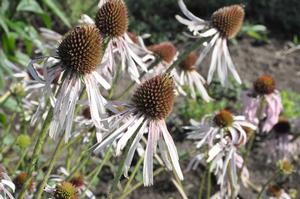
(155, 97)
(224, 25)
(79, 54)
(189, 62)
(151, 103)
(66, 190)
(264, 85)
(228, 20)
(285, 167)
(81, 49)
(223, 119)
(190, 77)
(165, 50)
(112, 18)
(263, 103)
(222, 134)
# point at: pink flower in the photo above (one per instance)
(263, 103)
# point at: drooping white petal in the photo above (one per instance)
(130, 131)
(187, 13)
(230, 63)
(114, 135)
(172, 149)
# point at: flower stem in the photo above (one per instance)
(208, 192)
(50, 168)
(98, 169)
(267, 184)
(182, 56)
(201, 188)
(36, 152)
(135, 170)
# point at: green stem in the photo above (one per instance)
(36, 152)
(98, 169)
(201, 188)
(208, 193)
(267, 184)
(182, 56)
(246, 156)
(23, 155)
(135, 170)
(50, 168)
(114, 83)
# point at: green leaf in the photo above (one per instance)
(30, 6)
(3, 24)
(57, 12)
(3, 119)
(22, 58)
(9, 139)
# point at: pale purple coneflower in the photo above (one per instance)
(6, 184)
(78, 56)
(224, 24)
(190, 77)
(222, 133)
(263, 103)
(77, 181)
(168, 54)
(112, 22)
(151, 103)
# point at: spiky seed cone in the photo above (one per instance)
(189, 62)
(81, 49)
(155, 97)
(165, 50)
(112, 18)
(228, 20)
(264, 85)
(223, 119)
(66, 190)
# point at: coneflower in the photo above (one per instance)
(112, 22)
(151, 104)
(190, 77)
(224, 24)
(20, 179)
(78, 56)
(167, 53)
(77, 181)
(222, 133)
(6, 184)
(263, 103)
